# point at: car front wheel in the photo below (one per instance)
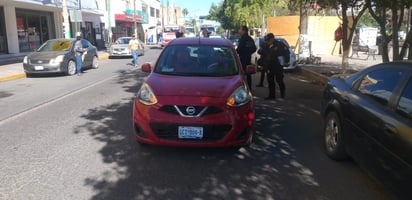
(334, 143)
(71, 68)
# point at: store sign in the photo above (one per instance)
(127, 18)
(143, 16)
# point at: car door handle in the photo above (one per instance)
(389, 129)
(345, 99)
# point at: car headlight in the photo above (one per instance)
(239, 97)
(57, 60)
(25, 59)
(146, 95)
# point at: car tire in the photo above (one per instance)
(249, 141)
(28, 75)
(71, 68)
(333, 137)
(95, 62)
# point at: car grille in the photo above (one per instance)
(39, 62)
(190, 111)
(170, 131)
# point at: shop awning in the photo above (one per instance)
(127, 18)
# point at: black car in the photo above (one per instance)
(368, 117)
(58, 56)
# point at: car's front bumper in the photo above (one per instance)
(228, 127)
(43, 68)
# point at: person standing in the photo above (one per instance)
(263, 50)
(79, 50)
(245, 49)
(277, 55)
(134, 46)
(205, 33)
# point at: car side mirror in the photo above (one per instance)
(251, 69)
(146, 68)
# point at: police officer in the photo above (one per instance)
(276, 56)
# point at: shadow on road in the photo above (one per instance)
(269, 169)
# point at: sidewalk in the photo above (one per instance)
(330, 65)
(15, 70)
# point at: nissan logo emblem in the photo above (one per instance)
(190, 110)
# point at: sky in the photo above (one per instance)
(195, 8)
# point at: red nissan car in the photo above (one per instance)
(195, 96)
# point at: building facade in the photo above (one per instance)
(26, 24)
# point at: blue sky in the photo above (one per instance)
(195, 8)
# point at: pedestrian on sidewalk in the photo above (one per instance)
(79, 51)
(277, 56)
(245, 49)
(134, 46)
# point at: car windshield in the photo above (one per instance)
(197, 61)
(55, 45)
(122, 41)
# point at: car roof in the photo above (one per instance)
(69, 39)
(403, 64)
(201, 41)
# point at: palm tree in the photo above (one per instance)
(185, 12)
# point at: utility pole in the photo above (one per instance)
(134, 18)
(108, 7)
(66, 24)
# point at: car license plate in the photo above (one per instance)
(38, 68)
(190, 132)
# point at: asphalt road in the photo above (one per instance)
(71, 138)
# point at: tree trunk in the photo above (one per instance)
(346, 41)
(384, 45)
(303, 30)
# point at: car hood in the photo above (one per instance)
(166, 85)
(120, 45)
(47, 55)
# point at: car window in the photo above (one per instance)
(197, 60)
(405, 102)
(380, 84)
(55, 45)
(122, 41)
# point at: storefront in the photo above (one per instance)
(3, 39)
(125, 25)
(33, 28)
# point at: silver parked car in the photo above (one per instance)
(58, 56)
(120, 48)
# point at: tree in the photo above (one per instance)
(234, 13)
(346, 8)
(390, 15)
(185, 12)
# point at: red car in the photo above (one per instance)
(195, 96)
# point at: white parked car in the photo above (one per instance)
(259, 42)
(120, 48)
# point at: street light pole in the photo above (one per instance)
(108, 7)
(134, 18)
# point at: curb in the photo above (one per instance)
(314, 76)
(104, 56)
(12, 77)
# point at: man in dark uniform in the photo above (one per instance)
(276, 56)
(245, 49)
